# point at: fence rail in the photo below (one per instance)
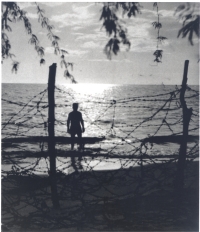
(137, 167)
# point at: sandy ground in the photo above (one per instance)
(133, 199)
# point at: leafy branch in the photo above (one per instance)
(12, 13)
(160, 39)
(189, 15)
(113, 26)
(44, 21)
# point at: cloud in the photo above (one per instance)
(112, 60)
(76, 28)
(167, 13)
(53, 4)
(95, 37)
(42, 33)
(78, 33)
(74, 52)
(78, 53)
(24, 5)
(49, 50)
(146, 13)
(32, 15)
(79, 17)
(90, 44)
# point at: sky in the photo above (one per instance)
(81, 34)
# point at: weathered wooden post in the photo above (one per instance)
(187, 113)
(51, 138)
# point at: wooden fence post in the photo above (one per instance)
(51, 138)
(187, 113)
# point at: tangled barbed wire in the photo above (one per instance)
(130, 151)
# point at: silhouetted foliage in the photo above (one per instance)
(189, 15)
(158, 55)
(15, 66)
(113, 26)
(68, 75)
(42, 61)
(157, 25)
(11, 12)
(112, 47)
(161, 38)
(54, 41)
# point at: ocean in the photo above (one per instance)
(123, 114)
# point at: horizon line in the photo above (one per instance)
(88, 83)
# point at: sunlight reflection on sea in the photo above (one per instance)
(109, 111)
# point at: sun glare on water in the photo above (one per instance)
(89, 88)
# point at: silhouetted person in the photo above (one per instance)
(75, 125)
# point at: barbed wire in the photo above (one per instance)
(79, 185)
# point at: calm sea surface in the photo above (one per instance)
(121, 113)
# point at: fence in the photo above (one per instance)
(82, 185)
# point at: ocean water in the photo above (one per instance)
(123, 114)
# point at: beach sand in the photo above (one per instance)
(132, 199)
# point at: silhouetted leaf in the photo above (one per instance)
(127, 42)
(45, 21)
(40, 50)
(54, 43)
(34, 40)
(110, 26)
(56, 37)
(157, 25)
(8, 28)
(134, 9)
(106, 13)
(63, 62)
(15, 66)
(56, 50)
(157, 60)
(40, 11)
(122, 34)
(42, 61)
(5, 46)
(180, 8)
(112, 47)
(63, 51)
(50, 35)
(50, 27)
(71, 65)
(189, 29)
(27, 25)
(11, 55)
(161, 38)
(155, 4)
(68, 75)
(158, 55)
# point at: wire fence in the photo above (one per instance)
(129, 151)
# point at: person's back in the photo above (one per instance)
(75, 118)
(74, 123)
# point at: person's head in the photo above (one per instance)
(75, 106)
